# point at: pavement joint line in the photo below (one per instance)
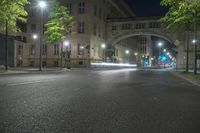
(30, 82)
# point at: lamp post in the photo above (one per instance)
(136, 57)
(42, 5)
(103, 46)
(67, 54)
(160, 44)
(35, 37)
(195, 43)
(127, 52)
(6, 46)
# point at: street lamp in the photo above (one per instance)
(127, 51)
(66, 43)
(136, 54)
(81, 47)
(168, 54)
(103, 46)
(35, 36)
(160, 44)
(164, 50)
(194, 41)
(68, 53)
(42, 5)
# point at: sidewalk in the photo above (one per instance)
(23, 70)
(190, 77)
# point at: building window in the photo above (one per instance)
(44, 49)
(99, 31)
(100, 13)
(33, 28)
(116, 52)
(154, 25)
(69, 7)
(80, 49)
(95, 10)
(55, 63)
(81, 8)
(81, 28)
(140, 26)
(32, 12)
(56, 49)
(32, 50)
(20, 50)
(126, 26)
(114, 27)
(95, 29)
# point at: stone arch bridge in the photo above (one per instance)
(122, 28)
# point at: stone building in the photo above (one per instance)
(87, 34)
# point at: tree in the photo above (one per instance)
(180, 17)
(58, 25)
(11, 11)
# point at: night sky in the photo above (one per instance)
(147, 7)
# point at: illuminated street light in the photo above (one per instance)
(168, 53)
(103, 46)
(127, 51)
(164, 50)
(35, 36)
(194, 41)
(160, 44)
(66, 43)
(81, 47)
(136, 54)
(42, 4)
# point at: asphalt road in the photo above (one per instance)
(104, 101)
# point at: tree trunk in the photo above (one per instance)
(61, 59)
(187, 53)
(6, 47)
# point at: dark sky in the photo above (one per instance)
(147, 7)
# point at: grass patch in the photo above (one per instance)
(190, 74)
(197, 77)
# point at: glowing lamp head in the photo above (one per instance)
(35, 36)
(194, 41)
(66, 43)
(127, 51)
(103, 46)
(160, 44)
(42, 4)
(136, 54)
(164, 50)
(82, 47)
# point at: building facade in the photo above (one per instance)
(87, 34)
